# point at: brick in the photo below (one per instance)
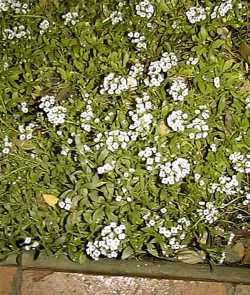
(242, 290)
(7, 279)
(32, 279)
(197, 288)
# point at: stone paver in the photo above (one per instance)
(7, 278)
(46, 283)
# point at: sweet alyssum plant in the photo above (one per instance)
(124, 127)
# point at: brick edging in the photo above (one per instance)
(146, 268)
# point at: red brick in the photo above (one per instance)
(7, 278)
(242, 290)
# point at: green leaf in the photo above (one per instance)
(202, 86)
(218, 43)
(228, 64)
(127, 252)
(98, 215)
(221, 105)
(151, 248)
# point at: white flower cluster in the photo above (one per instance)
(5, 146)
(217, 82)
(176, 233)
(65, 150)
(110, 243)
(24, 107)
(145, 9)
(151, 157)
(173, 172)
(158, 67)
(113, 84)
(247, 200)
(222, 9)
(116, 139)
(106, 168)
(109, 116)
(70, 18)
(196, 14)
(116, 17)
(98, 141)
(228, 185)
(192, 61)
(28, 244)
(200, 123)
(43, 26)
(142, 119)
(65, 204)
(178, 89)
(15, 5)
(17, 32)
(150, 219)
(55, 114)
(209, 212)
(247, 102)
(88, 115)
(185, 222)
(197, 178)
(241, 162)
(26, 131)
(129, 173)
(47, 102)
(136, 70)
(138, 39)
(177, 120)
(124, 195)
(121, 3)
(213, 147)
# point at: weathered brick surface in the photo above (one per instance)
(47, 283)
(7, 278)
(242, 290)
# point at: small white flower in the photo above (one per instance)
(44, 25)
(138, 39)
(144, 9)
(118, 198)
(173, 172)
(217, 82)
(197, 176)
(151, 222)
(163, 210)
(34, 244)
(178, 89)
(121, 236)
(222, 9)
(176, 120)
(70, 18)
(27, 240)
(192, 61)
(196, 14)
(115, 17)
(105, 168)
(247, 102)
(213, 147)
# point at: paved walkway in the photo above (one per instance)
(42, 282)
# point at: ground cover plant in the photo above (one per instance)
(124, 128)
